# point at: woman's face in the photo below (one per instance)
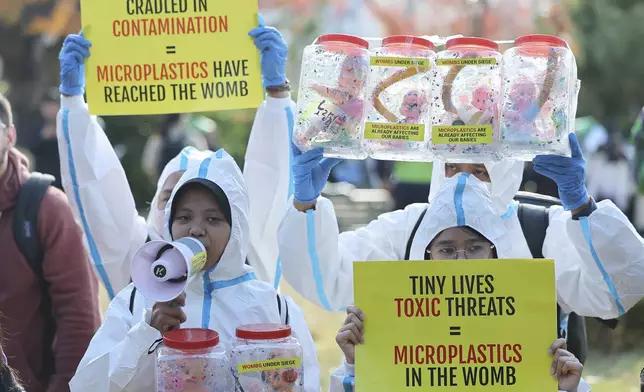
(459, 243)
(198, 215)
(166, 191)
(478, 170)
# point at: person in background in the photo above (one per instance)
(463, 225)
(98, 189)
(9, 381)
(50, 305)
(610, 176)
(598, 253)
(210, 203)
(408, 182)
(45, 151)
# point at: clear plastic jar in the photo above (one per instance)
(267, 358)
(466, 94)
(397, 126)
(193, 360)
(539, 97)
(332, 96)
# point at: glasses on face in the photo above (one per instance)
(474, 250)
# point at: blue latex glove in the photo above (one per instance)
(272, 52)
(310, 173)
(568, 172)
(72, 59)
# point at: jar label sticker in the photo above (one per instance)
(197, 262)
(399, 62)
(399, 132)
(462, 134)
(326, 117)
(270, 364)
(468, 61)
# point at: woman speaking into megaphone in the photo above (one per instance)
(208, 210)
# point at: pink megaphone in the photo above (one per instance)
(161, 270)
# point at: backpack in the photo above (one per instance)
(534, 208)
(25, 233)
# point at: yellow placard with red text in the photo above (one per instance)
(171, 56)
(458, 325)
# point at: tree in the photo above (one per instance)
(610, 59)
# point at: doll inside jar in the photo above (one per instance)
(342, 107)
(529, 111)
(477, 102)
(190, 375)
(280, 380)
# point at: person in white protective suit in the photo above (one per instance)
(210, 203)
(599, 257)
(464, 225)
(98, 189)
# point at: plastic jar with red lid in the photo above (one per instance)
(193, 359)
(332, 98)
(398, 121)
(465, 97)
(265, 357)
(539, 102)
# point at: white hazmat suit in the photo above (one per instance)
(100, 196)
(599, 260)
(461, 201)
(221, 298)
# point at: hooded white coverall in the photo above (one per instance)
(101, 199)
(462, 200)
(221, 298)
(599, 260)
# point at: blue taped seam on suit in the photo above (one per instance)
(93, 249)
(512, 208)
(315, 260)
(458, 199)
(347, 383)
(207, 294)
(585, 228)
(290, 121)
(183, 165)
(207, 300)
(203, 167)
(222, 284)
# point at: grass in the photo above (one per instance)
(606, 373)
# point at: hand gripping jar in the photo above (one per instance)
(397, 126)
(193, 360)
(465, 95)
(332, 96)
(267, 358)
(539, 97)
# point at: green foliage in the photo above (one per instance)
(611, 65)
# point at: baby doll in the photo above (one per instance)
(342, 107)
(483, 101)
(281, 380)
(413, 105)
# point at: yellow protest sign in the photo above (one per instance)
(171, 56)
(470, 325)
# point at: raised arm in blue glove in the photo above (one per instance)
(72, 58)
(310, 173)
(273, 53)
(568, 172)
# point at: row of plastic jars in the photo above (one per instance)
(263, 358)
(404, 101)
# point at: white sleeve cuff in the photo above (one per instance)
(278, 104)
(75, 102)
(349, 370)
